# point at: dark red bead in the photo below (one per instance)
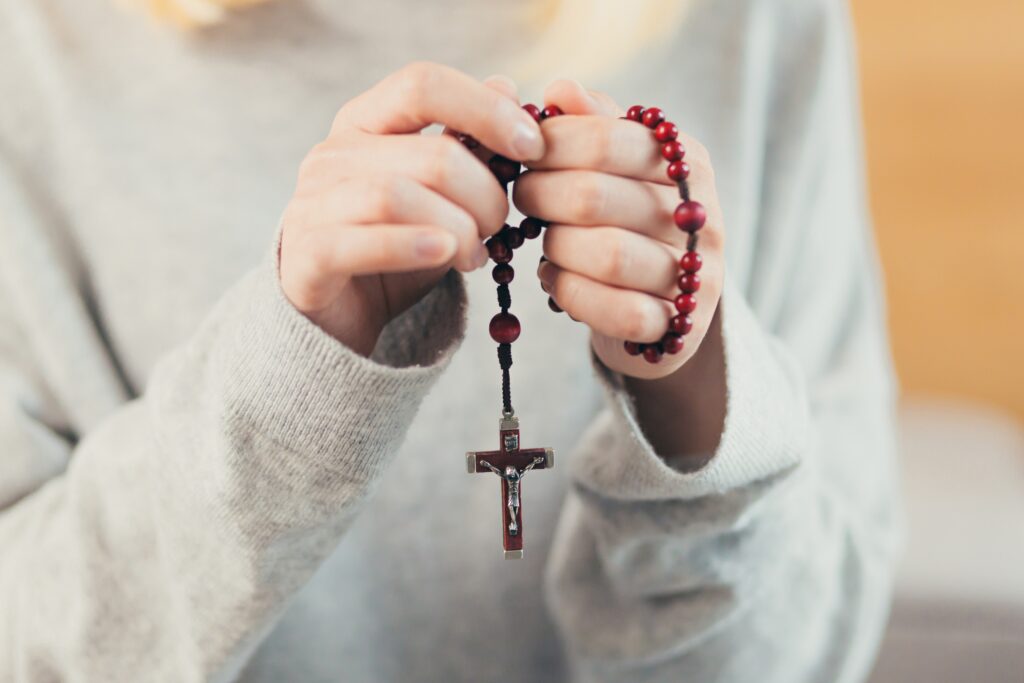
(689, 283)
(690, 216)
(498, 250)
(686, 303)
(672, 151)
(513, 237)
(652, 117)
(503, 273)
(652, 353)
(504, 169)
(635, 113)
(691, 262)
(531, 227)
(533, 110)
(553, 306)
(678, 170)
(666, 132)
(504, 328)
(633, 348)
(680, 324)
(672, 343)
(550, 111)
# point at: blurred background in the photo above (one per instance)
(943, 93)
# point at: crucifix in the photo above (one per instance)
(510, 463)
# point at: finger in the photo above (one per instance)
(615, 257)
(330, 255)
(423, 93)
(572, 98)
(619, 313)
(505, 86)
(392, 199)
(437, 161)
(596, 199)
(616, 146)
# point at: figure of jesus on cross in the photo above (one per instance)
(511, 464)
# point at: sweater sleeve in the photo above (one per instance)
(774, 561)
(162, 543)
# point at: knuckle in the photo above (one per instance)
(619, 259)
(589, 199)
(601, 148)
(417, 78)
(383, 196)
(445, 160)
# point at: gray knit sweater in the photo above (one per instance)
(197, 484)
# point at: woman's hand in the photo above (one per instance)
(380, 213)
(612, 247)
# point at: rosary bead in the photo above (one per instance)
(678, 170)
(531, 227)
(652, 353)
(504, 169)
(686, 303)
(691, 262)
(652, 117)
(689, 282)
(632, 348)
(673, 151)
(468, 140)
(503, 273)
(690, 216)
(533, 111)
(513, 237)
(680, 324)
(498, 250)
(666, 132)
(550, 111)
(635, 113)
(672, 343)
(505, 328)
(553, 306)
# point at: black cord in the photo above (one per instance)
(505, 361)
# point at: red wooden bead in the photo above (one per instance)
(503, 273)
(678, 170)
(673, 151)
(498, 250)
(680, 324)
(505, 328)
(686, 303)
(513, 237)
(504, 169)
(553, 306)
(633, 348)
(672, 343)
(652, 117)
(635, 113)
(691, 262)
(533, 110)
(531, 227)
(551, 110)
(652, 353)
(689, 282)
(666, 132)
(690, 216)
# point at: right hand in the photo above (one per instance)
(380, 213)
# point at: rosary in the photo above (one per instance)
(510, 462)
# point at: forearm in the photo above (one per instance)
(683, 415)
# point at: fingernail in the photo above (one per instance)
(480, 257)
(526, 140)
(431, 246)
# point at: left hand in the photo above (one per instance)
(612, 247)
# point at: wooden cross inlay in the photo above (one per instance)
(510, 463)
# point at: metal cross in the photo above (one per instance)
(510, 463)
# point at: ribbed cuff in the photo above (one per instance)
(766, 425)
(287, 380)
